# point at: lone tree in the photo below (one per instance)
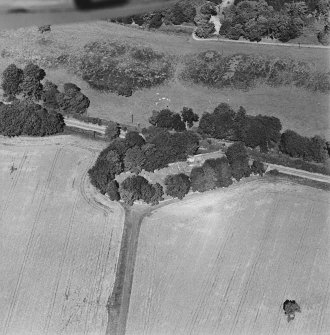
(290, 307)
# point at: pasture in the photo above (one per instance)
(59, 239)
(224, 262)
(301, 110)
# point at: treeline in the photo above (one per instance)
(261, 131)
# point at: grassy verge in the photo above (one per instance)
(289, 162)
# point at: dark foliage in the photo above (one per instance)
(112, 190)
(167, 119)
(72, 101)
(138, 188)
(181, 12)
(28, 118)
(156, 20)
(238, 159)
(31, 85)
(189, 117)
(134, 159)
(208, 8)
(49, 96)
(213, 174)
(310, 149)
(12, 78)
(112, 131)
(258, 167)
(205, 29)
(290, 307)
(177, 186)
(111, 66)
(133, 138)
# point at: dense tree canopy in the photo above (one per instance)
(177, 186)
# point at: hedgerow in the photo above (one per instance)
(122, 69)
(242, 71)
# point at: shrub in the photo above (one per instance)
(177, 186)
(49, 96)
(167, 119)
(290, 307)
(156, 21)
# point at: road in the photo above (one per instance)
(295, 45)
(299, 173)
(83, 125)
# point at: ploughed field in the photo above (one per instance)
(224, 263)
(59, 242)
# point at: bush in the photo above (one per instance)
(258, 167)
(134, 159)
(177, 186)
(189, 117)
(112, 190)
(133, 138)
(156, 21)
(167, 119)
(290, 307)
(31, 86)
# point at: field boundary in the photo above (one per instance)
(294, 45)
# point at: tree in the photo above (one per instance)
(156, 20)
(133, 188)
(157, 195)
(112, 190)
(31, 86)
(189, 117)
(12, 78)
(205, 29)
(238, 159)
(258, 167)
(49, 96)
(112, 131)
(134, 159)
(208, 8)
(72, 101)
(290, 307)
(133, 138)
(177, 186)
(177, 123)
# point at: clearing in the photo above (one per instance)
(224, 262)
(60, 239)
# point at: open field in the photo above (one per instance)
(59, 239)
(224, 263)
(299, 109)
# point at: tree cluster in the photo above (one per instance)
(174, 121)
(309, 149)
(138, 188)
(27, 84)
(254, 20)
(29, 118)
(253, 131)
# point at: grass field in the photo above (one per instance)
(59, 240)
(299, 109)
(224, 263)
